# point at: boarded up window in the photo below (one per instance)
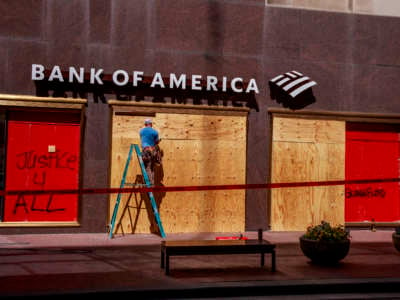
(305, 150)
(199, 148)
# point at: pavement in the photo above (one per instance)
(92, 264)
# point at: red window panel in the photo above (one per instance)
(372, 152)
(42, 155)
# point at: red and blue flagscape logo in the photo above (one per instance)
(292, 89)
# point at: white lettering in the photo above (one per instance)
(252, 86)
(157, 80)
(73, 73)
(224, 79)
(121, 77)
(196, 82)
(233, 84)
(95, 76)
(56, 74)
(37, 72)
(173, 81)
(125, 78)
(212, 83)
(137, 76)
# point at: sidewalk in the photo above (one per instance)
(129, 265)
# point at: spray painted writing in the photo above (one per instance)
(58, 159)
(367, 192)
(40, 164)
(45, 206)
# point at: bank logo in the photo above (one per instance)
(292, 89)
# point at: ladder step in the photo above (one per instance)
(135, 184)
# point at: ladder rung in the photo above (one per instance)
(135, 184)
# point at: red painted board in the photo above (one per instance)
(372, 151)
(40, 156)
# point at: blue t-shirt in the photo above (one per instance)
(148, 137)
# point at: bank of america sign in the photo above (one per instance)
(292, 89)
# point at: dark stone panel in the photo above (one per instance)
(257, 169)
(67, 21)
(326, 36)
(190, 25)
(21, 19)
(96, 138)
(112, 58)
(256, 210)
(328, 52)
(209, 26)
(97, 176)
(99, 56)
(3, 65)
(166, 62)
(129, 27)
(21, 55)
(66, 55)
(100, 21)
(388, 41)
(243, 29)
(375, 40)
(365, 39)
(281, 33)
(97, 133)
(232, 66)
(325, 27)
(96, 152)
(376, 89)
(94, 212)
(282, 52)
(128, 58)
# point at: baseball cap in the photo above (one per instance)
(147, 121)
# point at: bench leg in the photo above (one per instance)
(162, 258)
(262, 259)
(273, 262)
(166, 264)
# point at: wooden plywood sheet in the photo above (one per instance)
(305, 150)
(197, 150)
(307, 130)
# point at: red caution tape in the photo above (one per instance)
(156, 189)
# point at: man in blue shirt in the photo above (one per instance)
(151, 154)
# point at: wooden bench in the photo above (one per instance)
(207, 247)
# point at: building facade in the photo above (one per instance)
(79, 77)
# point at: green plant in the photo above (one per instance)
(326, 232)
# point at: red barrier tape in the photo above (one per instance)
(156, 189)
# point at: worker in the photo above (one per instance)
(151, 154)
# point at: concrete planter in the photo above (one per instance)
(325, 252)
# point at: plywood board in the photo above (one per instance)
(305, 150)
(198, 150)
